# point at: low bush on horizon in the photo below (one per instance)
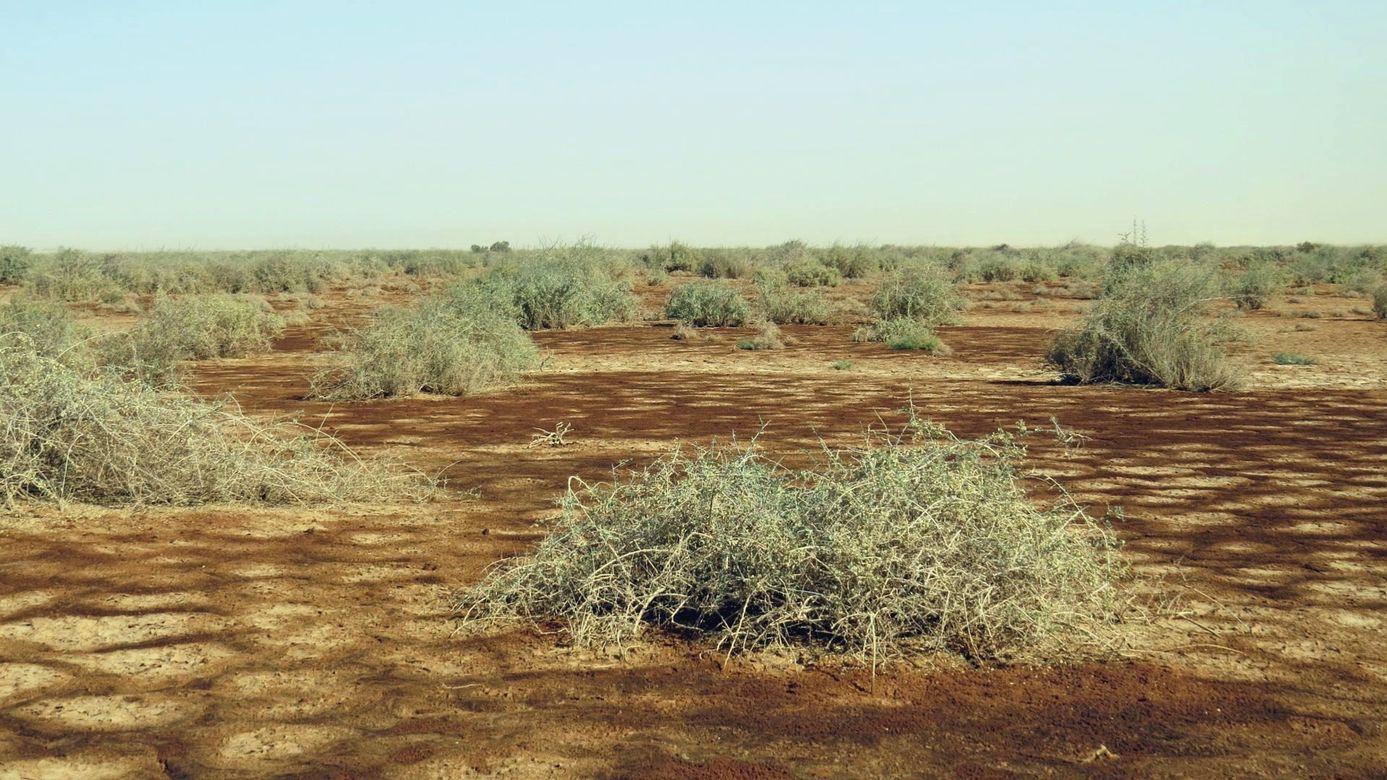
(565, 287)
(1151, 326)
(812, 273)
(1255, 287)
(853, 262)
(707, 305)
(459, 342)
(728, 544)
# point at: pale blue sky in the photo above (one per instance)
(144, 124)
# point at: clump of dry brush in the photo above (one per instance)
(914, 542)
(195, 327)
(460, 342)
(73, 428)
(909, 305)
(1151, 326)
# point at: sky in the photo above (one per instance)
(338, 124)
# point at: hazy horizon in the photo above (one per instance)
(317, 125)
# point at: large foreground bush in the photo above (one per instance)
(923, 543)
(82, 433)
(458, 343)
(1151, 327)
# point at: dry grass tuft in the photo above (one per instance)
(768, 337)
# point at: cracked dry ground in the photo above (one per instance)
(239, 642)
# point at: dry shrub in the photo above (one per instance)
(684, 332)
(81, 433)
(768, 337)
(1256, 286)
(921, 542)
(903, 334)
(199, 327)
(1380, 301)
(1150, 327)
(459, 343)
(47, 328)
(920, 293)
(785, 306)
(195, 327)
(565, 287)
(707, 304)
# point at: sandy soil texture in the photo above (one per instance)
(246, 642)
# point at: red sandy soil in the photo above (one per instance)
(238, 642)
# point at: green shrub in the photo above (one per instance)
(785, 306)
(707, 304)
(200, 327)
(997, 268)
(672, 257)
(460, 342)
(1034, 270)
(917, 294)
(1380, 301)
(922, 543)
(902, 333)
(565, 287)
(842, 365)
(724, 264)
(1292, 359)
(79, 433)
(853, 262)
(47, 328)
(1361, 281)
(276, 274)
(69, 275)
(812, 273)
(1127, 257)
(1256, 286)
(15, 262)
(1150, 328)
